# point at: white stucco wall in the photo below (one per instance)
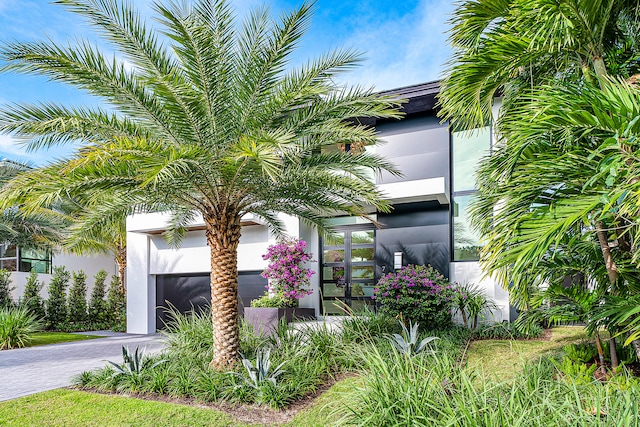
(90, 264)
(470, 272)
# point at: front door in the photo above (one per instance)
(348, 270)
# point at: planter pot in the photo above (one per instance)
(264, 321)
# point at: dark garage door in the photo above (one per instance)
(187, 291)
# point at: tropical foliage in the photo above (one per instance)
(417, 293)
(559, 196)
(207, 121)
(286, 271)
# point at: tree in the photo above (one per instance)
(78, 298)
(563, 176)
(56, 306)
(208, 121)
(116, 305)
(5, 289)
(31, 298)
(97, 304)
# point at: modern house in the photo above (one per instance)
(428, 225)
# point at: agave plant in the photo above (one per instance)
(134, 364)
(407, 343)
(261, 371)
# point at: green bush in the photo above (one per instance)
(31, 299)
(270, 301)
(417, 293)
(97, 310)
(584, 352)
(56, 305)
(17, 325)
(78, 299)
(506, 331)
(116, 305)
(5, 289)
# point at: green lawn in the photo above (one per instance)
(44, 338)
(502, 358)
(63, 407)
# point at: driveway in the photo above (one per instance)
(31, 370)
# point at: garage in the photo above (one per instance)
(192, 291)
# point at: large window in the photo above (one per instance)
(13, 258)
(468, 149)
(466, 241)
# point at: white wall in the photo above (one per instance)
(90, 264)
(470, 272)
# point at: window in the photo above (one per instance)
(37, 260)
(466, 241)
(468, 149)
(13, 258)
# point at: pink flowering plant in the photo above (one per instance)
(418, 293)
(286, 272)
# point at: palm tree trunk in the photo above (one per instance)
(613, 352)
(223, 237)
(464, 317)
(121, 260)
(600, 353)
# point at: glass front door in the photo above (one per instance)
(348, 270)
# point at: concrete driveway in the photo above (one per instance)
(31, 370)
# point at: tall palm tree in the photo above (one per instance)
(207, 119)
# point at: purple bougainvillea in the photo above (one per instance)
(418, 293)
(285, 271)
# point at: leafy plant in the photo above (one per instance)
(17, 325)
(78, 298)
(31, 299)
(287, 276)
(261, 371)
(5, 289)
(407, 343)
(56, 312)
(584, 352)
(418, 293)
(277, 300)
(117, 305)
(506, 331)
(97, 304)
(134, 364)
(471, 302)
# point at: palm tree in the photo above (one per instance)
(564, 172)
(207, 120)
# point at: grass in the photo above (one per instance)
(45, 338)
(63, 407)
(502, 358)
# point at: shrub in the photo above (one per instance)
(31, 299)
(471, 302)
(286, 274)
(506, 331)
(271, 301)
(5, 289)
(56, 313)
(116, 305)
(17, 325)
(78, 298)
(417, 293)
(97, 303)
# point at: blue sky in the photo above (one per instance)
(403, 41)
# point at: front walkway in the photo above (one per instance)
(31, 370)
